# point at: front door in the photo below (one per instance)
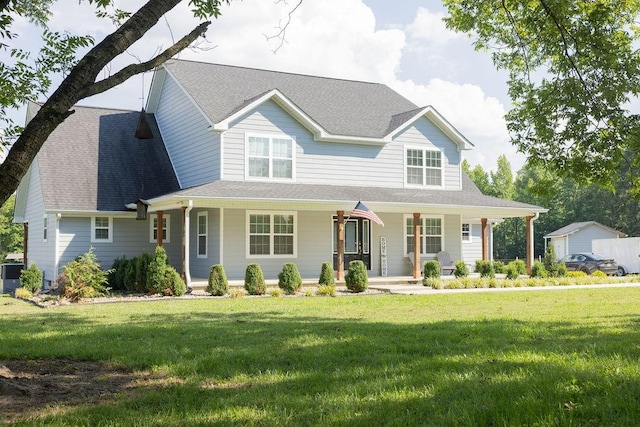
(357, 241)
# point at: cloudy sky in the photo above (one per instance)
(404, 45)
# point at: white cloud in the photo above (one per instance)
(333, 38)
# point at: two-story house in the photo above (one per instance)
(234, 165)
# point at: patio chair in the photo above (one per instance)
(444, 259)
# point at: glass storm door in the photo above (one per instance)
(357, 240)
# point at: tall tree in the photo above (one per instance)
(24, 80)
(573, 68)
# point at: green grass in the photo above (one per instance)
(563, 357)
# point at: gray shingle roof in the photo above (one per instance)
(577, 226)
(93, 161)
(470, 196)
(356, 108)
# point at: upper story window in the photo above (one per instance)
(423, 167)
(466, 232)
(101, 229)
(153, 228)
(270, 157)
(271, 234)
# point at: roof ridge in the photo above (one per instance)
(280, 72)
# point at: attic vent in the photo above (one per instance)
(143, 131)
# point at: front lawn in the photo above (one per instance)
(567, 357)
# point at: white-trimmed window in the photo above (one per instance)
(431, 235)
(45, 228)
(466, 232)
(166, 228)
(270, 157)
(101, 229)
(423, 167)
(203, 220)
(271, 234)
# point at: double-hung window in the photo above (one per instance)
(101, 229)
(202, 234)
(166, 228)
(423, 167)
(45, 227)
(466, 232)
(431, 235)
(270, 157)
(271, 234)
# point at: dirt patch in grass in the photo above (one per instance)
(32, 388)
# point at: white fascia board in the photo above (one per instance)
(157, 82)
(79, 213)
(441, 123)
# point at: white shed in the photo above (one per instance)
(577, 237)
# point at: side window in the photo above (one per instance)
(45, 228)
(271, 234)
(431, 235)
(166, 228)
(101, 229)
(202, 234)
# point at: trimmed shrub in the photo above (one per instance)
(461, 270)
(538, 270)
(156, 272)
(356, 278)
(598, 273)
(173, 283)
(218, 284)
(431, 269)
(129, 276)
(326, 290)
(498, 267)
(116, 273)
(562, 270)
(327, 275)
(521, 266)
(511, 271)
(485, 268)
(83, 278)
(141, 278)
(31, 278)
(254, 280)
(289, 279)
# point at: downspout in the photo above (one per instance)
(186, 211)
(56, 250)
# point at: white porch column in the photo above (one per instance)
(530, 241)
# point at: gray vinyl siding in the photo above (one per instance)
(337, 163)
(580, 241)
(194, 150)
(200, 267)
(130, 238)
(472, 251)
(39, 252)
(313, 243)
(423, 133)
